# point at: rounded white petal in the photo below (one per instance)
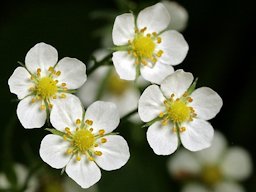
(123, 29)
(183, 162)
(41, 56)
(84, 172)
(88, 92)
(71, 186)
(65, 112)
(214, 153)
(198, 135)
(193, 187)
(53, 151)
(179, 15)
(156, 18)
(228, 187)
(124, 65)
(20, 82)
(104, 116)
(151, 103)
(236, 164)
(174, 46)
(206, 102)
(157, 73)
(115, 153)
(4, 182)
(72, 72)
(29, 113)
(176, 83)
(162, 139)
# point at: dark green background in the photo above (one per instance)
(221, 36)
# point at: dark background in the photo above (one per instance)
(221, 36)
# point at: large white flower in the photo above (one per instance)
(86, 141)
(216, 169)
(145, 46)
(42, 81)
(177, 112)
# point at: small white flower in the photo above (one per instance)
(216, 169)
(86, 141)
(43, 81)
(179, 15)
(178, 114)
(21, 174)
(145, 46)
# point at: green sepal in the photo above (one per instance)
(55, 131)
(151, 122)
(192, 86)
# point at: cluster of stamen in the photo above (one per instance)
(177, 111)
(46, 88)
(83, 141)
(143, 47)
(115, 85)
(211, 174)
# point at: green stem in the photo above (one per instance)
(100, 63)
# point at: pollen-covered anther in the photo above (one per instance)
(98, 153)
(69, 151)
(143, 29)
(58, 73)
(159, 40)
(78, 121)
(50, 105)
(63, 96)
(161, 114)
(103, 140)
(63, 84)
(182, 129)
(159, 53)
(174, 130)
(78, 158)
(42, 107)
(89, 122)
(91, 129)
(190, 99)
(51, 69)
(33, 100)
(90, 158)
(101, 132)
(154, 34)
(67, 129)
(38, 72)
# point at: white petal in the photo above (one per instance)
(156, 18)
(104, 116)
(124, 65)
(157, 73)
(20, 82)
(162, 139)
(179, 15)
(123, 29)
(72, 72)
(236, 164)
(176, 83)
(206, 102)
(174, 46)
(198, 135)
(184, 162)
(88, 92)
(115, 153)
(214, 153)
(30, 114)
(228, 187)
(151, 103)
(53, 151)
(4, 182)
(193, 187)
(41, 56)
(84, 172)
(65, 112)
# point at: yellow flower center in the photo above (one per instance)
(178, 111)
(211, 174)
(83, 140)
(46, 87)
(116, 85)
(143, 46)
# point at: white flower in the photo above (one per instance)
(177, 114)
(145, 46)
(42, 82)
(86, 141)
(179, 15)
(216, 169)
(21, 174)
